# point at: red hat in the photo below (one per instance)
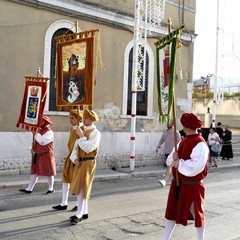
(47, 120)
(191, 120)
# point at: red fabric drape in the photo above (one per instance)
(33, 103)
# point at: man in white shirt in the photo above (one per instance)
(75, 118)
(189, 168)
(43, 160)
(84, 157)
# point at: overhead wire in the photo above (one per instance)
(182, 21)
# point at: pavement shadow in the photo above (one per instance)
(27, 217)
(29, 230)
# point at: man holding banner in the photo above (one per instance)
(75, 119)
(43, 160)
(84, 157)
(189, 168)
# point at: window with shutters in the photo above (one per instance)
(141, 106)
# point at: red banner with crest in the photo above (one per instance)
(33, 103)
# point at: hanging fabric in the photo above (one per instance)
(33, 103)
(166, 59)
(74, 70)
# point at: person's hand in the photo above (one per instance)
(157, 150)
(175, 156)
(79, 132)
(32, 151)
(34, 133)
(176, 164)
(37, 131)
(77, 163)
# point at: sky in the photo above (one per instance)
(228, 40)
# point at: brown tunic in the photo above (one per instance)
(68, 168)
(83, 176)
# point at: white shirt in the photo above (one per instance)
(87, 145)
(215, 136)
(193, 166)
(44, 139)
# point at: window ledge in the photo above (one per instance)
(139, 117)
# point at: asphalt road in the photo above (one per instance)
(119, 209)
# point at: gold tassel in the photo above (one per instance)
(45, 91)
(98, 57)
(179, 45)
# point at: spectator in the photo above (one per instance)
(199, 131)
(219, 131)
(227, 144)
(168, 139)
(182, 134)
(212, 139)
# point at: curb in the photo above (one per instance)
(99, 177)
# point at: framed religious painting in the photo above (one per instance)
(74, 78)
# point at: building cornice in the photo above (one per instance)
(92, 13)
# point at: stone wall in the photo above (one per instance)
(114, 150)
(227, 112)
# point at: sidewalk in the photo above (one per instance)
(9, 179)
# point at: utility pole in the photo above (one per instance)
(148, 16)
(216, 72)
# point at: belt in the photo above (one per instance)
(190, 183)
(41, 153)
(85, 159)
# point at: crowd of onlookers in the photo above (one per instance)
(223, 137)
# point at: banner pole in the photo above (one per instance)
(174, 114)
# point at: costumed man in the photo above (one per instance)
(43, 160)
(84, 157)
(186, 201)
(75, 119)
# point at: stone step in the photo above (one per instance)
(235, 147)
(235, 138)
(236, 150)
(236, 154)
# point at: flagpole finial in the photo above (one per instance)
(169, 25)
(76, 26)
(38, 71)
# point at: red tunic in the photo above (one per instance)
(44, 164)
(179, 210)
